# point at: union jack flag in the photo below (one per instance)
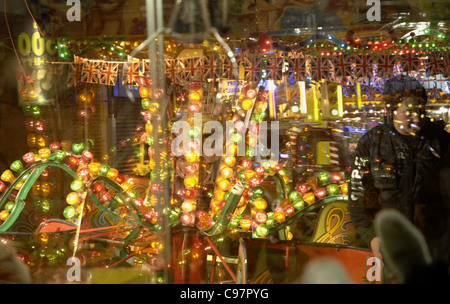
(130, 71)
(410, 62)
(319, 68)
(252, 68)
(171, 69)
(188, 68)
(108, 73)
(342, 65)
(385, 65)
(74, 72)
(90, 71)
(275, 68)
(226, 68)
(209, 66)
(299, 67)
(363, 65)
(435, 63)
(446, 72)
(145, 66)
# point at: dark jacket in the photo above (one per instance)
(388, 171)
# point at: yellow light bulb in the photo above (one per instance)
(7, 176)
(72, 198)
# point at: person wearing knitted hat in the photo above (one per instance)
(392, 161)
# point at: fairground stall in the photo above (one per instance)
(198, 141)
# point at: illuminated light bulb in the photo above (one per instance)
(226, 172)
(72, 198)
(86, 156)
(70, 212)
(260, 203)
(36, 188)
(54, 146)
(195, 85)
(231, 149)
(313, 182)
(31, 140)
(77, 148)
(189, 206)
(309, 198)
(262, 230)
(219, 194)
(261, 217)
(323, 177)
(59, 155)
(104, 169)
(191, 168)
(98, 187)
(44, 153)
(249, 174)
(299, 205)
(295, 196)
(105, 197)
(45, 189)
(254, 181)
(144, 92)
(77, 185)
(72, 161)
(251, 93)
(190, 181)
(120, 179)
(193, 144)
(230, 161)
(245, 224)
(303, 188)
(344, 188)
(191, 157)
(247, 104)
(94, 168)
(9, 206)
(194, 132)
(190, 193)
(187, 219)
(3, 187)
(40, 126)
(279, 216)
(112, 173)
(224, 185)
(19, 185)
(252, 141)
(194, 107)
(16, 166)
(29, 158)
(332, 189)
(246, 164)
(138, 202)
(7, 176)
(84, 173)
(289, 210)
(4, 214)
(147, 115)
(261, 106)
(145, 103)
(194, 96)
(336, 177)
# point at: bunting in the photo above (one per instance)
(365, 69)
